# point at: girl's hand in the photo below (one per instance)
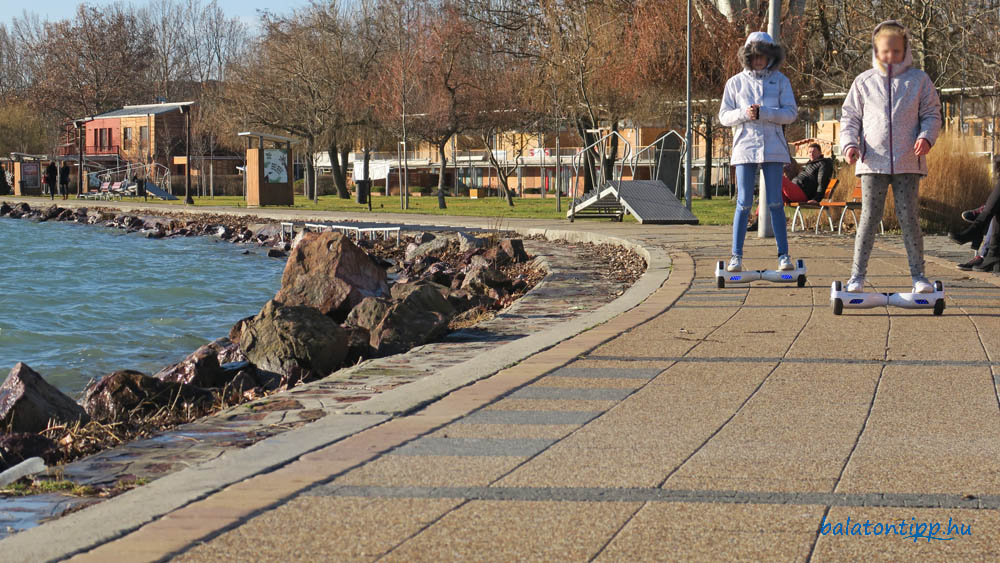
(753, 112)
(852, 155)
(921, 147)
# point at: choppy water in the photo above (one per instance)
(78, 301)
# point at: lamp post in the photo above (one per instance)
(186, 110)
(687, 125)
(764, 229)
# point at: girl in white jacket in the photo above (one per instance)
(756, 103)
(890, 120)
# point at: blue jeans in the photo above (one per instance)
(746, 174)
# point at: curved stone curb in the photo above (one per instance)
(113, 518)
(205, 518)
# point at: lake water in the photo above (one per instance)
(79, 301)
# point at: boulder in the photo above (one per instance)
(15, 448)
(467, 242)
(238, 328)
(481, 279)
(51, 212)
(330, 273)
(19, 210)
(203, 368)
(4, 208)
(421, 238)
(28, 403)
(463, 300)
(66, 215)
(434, 246)
(358, 345)
(420, 315)
(80, 215)
(514, 248)
(293, 341)
(369, 312)
(440, 273)
(276, 253)
(126, 393)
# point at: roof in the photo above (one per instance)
(144, 110)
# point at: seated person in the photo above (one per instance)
(805, 184)
(810, 183)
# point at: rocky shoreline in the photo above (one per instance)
(335, 308)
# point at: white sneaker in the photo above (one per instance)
(785, 263)
(921, 285)
(735, 264)
(856, 284)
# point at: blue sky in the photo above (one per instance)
(246, 10)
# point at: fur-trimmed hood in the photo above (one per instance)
(760, 43)
(907, 52)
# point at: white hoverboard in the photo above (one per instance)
(798, 275)
(841, 300)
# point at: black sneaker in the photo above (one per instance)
(970, 215)
(968, 266)
(752, 226)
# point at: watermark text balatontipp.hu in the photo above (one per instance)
(907, 529)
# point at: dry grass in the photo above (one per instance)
(957, 180)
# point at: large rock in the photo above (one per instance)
(15, 448)
(4, 207)
(292, 341)
(328, 272)
(28, 403)
(467, 242)
(514, 248)
(126, 393)
(481, 279)
(420, 315)
(19, 210)
(434, 246)
(369, 312)
(203, 368)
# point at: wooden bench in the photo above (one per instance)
(825, 205)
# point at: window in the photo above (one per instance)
(127, 134)
(144, 134)
(103, 138)
(829, 113)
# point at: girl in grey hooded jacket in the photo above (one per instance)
(891, 119)
(756, 103)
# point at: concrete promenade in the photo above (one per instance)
(701, 424)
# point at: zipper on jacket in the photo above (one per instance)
(888, 88)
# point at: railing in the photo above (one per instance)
(155, 172)
(71, 149)
(654, 163)
(626, 158)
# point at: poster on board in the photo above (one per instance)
(275, 166)
(30, 174)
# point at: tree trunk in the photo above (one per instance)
(338, 169)
(444, 161)
(310, 179)
(501, 173)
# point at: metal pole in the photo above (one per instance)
(764, 229)
(558, 169)
(187, 163)
(687, 138)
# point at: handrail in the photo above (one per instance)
(577, 158)
(654, 168)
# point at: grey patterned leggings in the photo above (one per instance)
(874, 188)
